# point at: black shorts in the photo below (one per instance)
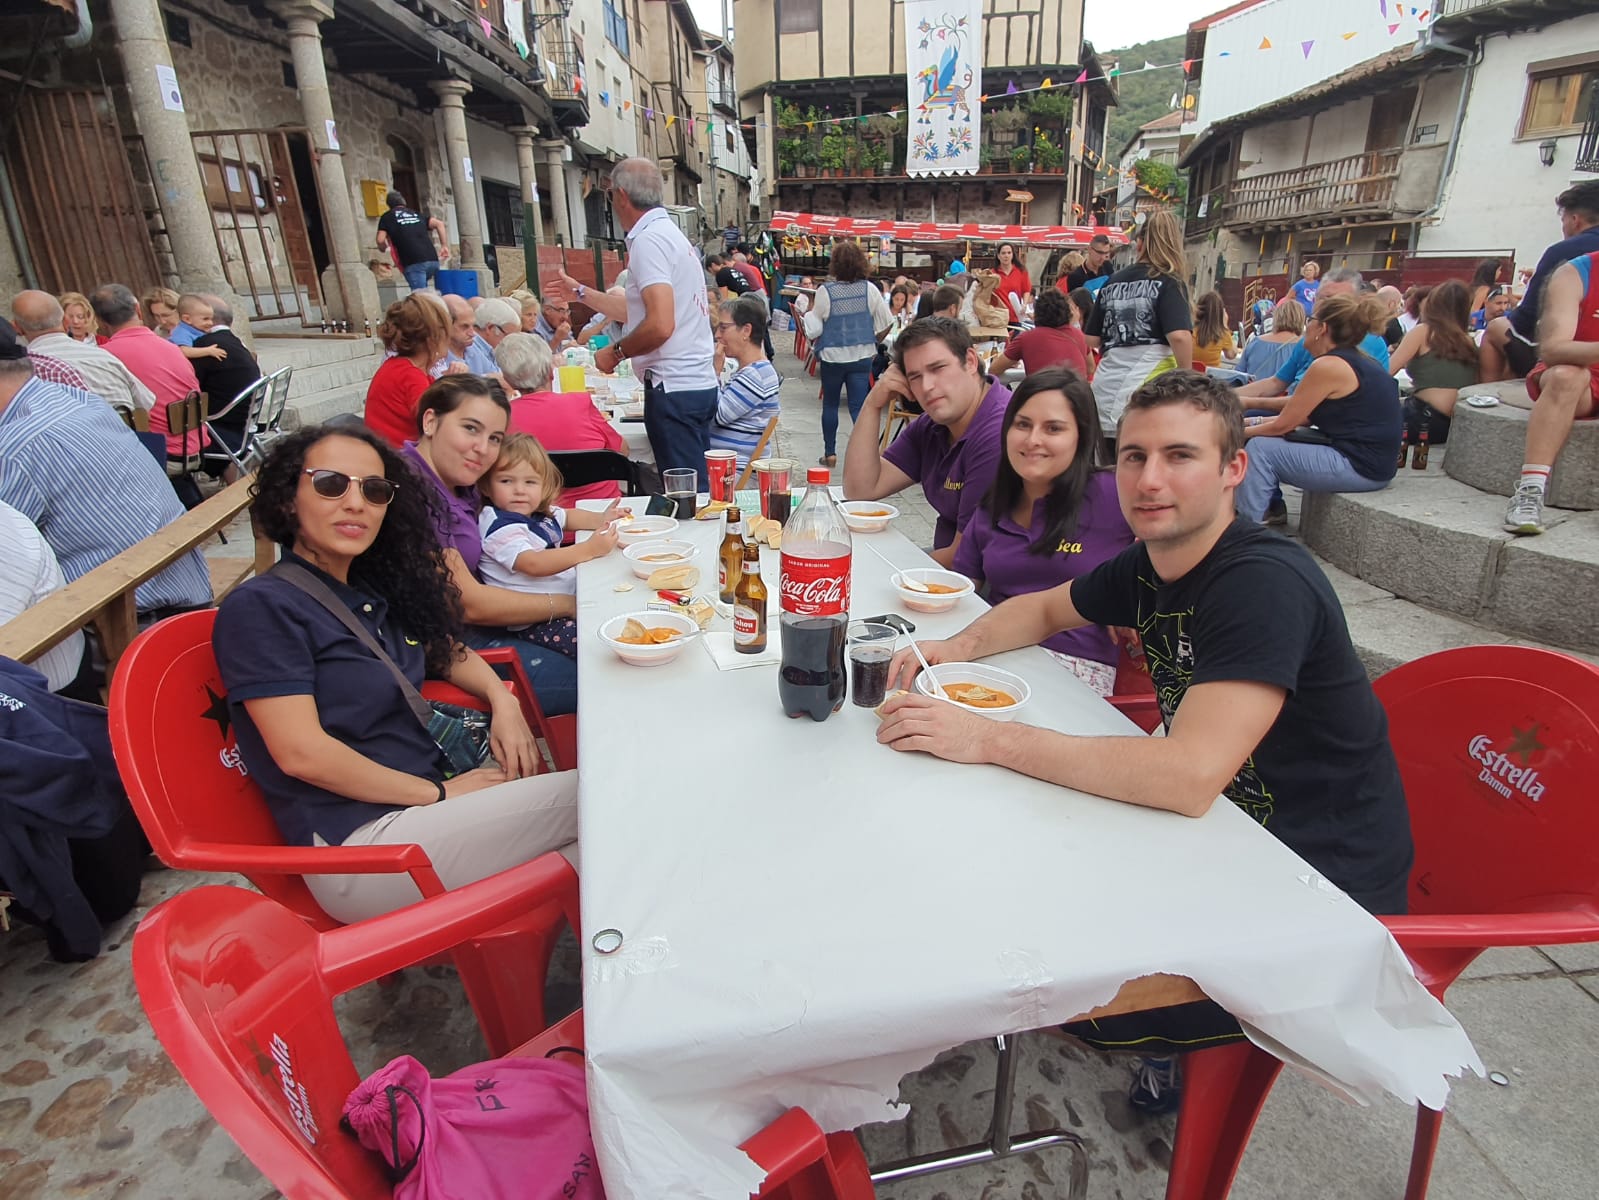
(1521, 354)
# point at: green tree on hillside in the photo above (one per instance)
(1144, 96)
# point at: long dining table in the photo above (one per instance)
(783, 913)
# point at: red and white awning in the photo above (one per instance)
(929, 233)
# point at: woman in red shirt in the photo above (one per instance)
(1053, 342)
(416, 332)
(559, 420)
(1015, 285)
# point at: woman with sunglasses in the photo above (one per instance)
(323, 726)
(460, 423)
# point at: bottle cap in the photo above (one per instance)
(818, 475)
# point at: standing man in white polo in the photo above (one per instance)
(669, 324)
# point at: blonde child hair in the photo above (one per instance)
(190, 303)
(525, 450)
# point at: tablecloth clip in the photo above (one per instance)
(1028, 975)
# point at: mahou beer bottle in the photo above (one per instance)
(813, 603)
(749, 604)
(730, 557)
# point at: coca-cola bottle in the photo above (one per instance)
(813, 603)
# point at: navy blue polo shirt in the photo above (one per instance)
(271, 639)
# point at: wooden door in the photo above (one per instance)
(1390, 118)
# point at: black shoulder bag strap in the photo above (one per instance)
(298, 576)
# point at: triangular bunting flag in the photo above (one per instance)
(649, 114)
(1187, 62)
(626, 104)
(1394, 28)
(1382, 7)
(488, 30)
(1225, 54)
(1113, 72)
(1048, 82)
(1347, 36)
(670, 117)
(1010, 88)
(605, 98)
(983, 98)
(1305, 46)
(1265, 44)
(1083, 78)
(1148, 66)
(810, 126)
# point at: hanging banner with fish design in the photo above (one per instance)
(944, 84)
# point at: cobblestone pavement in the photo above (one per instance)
(90, 1107)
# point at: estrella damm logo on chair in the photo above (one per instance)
(1501, 770)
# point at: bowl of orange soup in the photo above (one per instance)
(944, 589)
(977, 688)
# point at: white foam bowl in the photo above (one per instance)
(855, 515)
(650, 618)
(990, 677)
(681, 554)
(931, 602)
(633, 530)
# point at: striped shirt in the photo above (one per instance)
(28, 574)
(107, 377)
(70, 465)
(744, 405)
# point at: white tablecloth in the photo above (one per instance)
(808, 916)
(638, 442)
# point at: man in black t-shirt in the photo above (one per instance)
(1262, 695)
(410, 233)
(1096, 264)
(726, 276)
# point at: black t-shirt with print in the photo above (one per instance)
(734, 281)
(1256, 608)
(408, 230)
(1137, 307)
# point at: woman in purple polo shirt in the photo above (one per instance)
(1052, 513)
(460, 424)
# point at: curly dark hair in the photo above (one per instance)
(405, 563)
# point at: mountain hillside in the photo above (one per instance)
(1147, 95)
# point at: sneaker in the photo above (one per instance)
(1276, 513)
(1525, 514)
(1157, 1086)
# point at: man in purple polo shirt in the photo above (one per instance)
(952, 449)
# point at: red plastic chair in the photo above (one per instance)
(1498, 747)
(240, 991)
(180, 765)
(558, 733)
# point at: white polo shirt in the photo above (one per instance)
(657, 252)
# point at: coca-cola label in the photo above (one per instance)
(815, 587)
(746, 625)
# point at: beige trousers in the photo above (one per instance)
(467, 838)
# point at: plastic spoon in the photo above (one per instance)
(922, 658)
(914, 585)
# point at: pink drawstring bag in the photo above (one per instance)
(507, 1129)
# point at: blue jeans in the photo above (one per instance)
(552, 674)
(1276, 492)
(679, 426)
(420, 275)
(853, 377)
(1313, 468)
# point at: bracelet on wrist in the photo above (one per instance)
(439, 783)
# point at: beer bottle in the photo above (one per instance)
(730, 557)
(1418, 456)
(749, 605)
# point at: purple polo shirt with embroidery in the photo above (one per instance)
(955, 475)
(1001, 555)
(457, 519)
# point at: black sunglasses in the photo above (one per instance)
(334, 484)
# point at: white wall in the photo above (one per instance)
(493, 157)
(608, 128)
(1239, 75)
(1275, 146)
(1340, 131)
(1499, 194)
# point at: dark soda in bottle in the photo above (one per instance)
(813, 603)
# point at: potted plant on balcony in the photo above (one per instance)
(985, 159)
(1052, 108)
(852, 155)
(1050, 157)
(831, 155)
(1021, 158)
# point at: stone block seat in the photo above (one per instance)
(1486, 447)
(1432, 540)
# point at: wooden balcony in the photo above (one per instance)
(1588, 142)
(1454, 16)
(1354, 186)
(568, 100)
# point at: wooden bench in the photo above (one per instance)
(104, 597)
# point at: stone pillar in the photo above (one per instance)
(527, 178)
(555, 151)
(459, 150)
(142, 42)
(349, 290)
